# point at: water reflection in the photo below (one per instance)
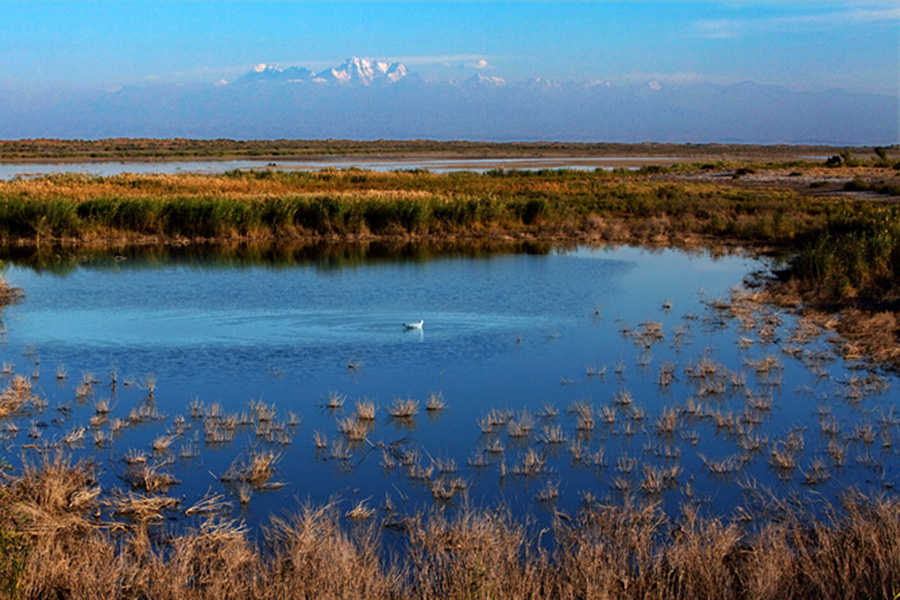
(322, 256)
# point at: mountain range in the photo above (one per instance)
(363, 99)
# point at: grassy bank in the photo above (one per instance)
(272, 205)
(62, 536)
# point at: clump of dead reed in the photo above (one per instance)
(255, 468)
(435, 402)
(402, 408)
(16, 396)
(334, 400)
(356, 430)
(149, 476)
(365, 410)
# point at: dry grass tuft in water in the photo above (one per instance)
(255, 468)
(16, 396)
(403, 409)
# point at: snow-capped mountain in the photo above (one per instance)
(354, 71)
(364, 99)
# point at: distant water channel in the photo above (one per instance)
(212, 167)
(551, 365)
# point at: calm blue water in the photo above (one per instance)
(505, 332)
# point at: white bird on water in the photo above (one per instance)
(414, 325)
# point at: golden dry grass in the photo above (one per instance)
(58, 542)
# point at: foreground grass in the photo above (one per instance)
(62, 536)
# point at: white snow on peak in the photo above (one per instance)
(353, 71)
(396, 72)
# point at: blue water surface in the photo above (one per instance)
(504, 333)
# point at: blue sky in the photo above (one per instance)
(803, 45)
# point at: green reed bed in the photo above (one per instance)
(272, 204)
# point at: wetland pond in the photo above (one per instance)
(564, 372)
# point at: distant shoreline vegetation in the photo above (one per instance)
(177, 148)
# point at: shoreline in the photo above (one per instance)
(154, 150)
